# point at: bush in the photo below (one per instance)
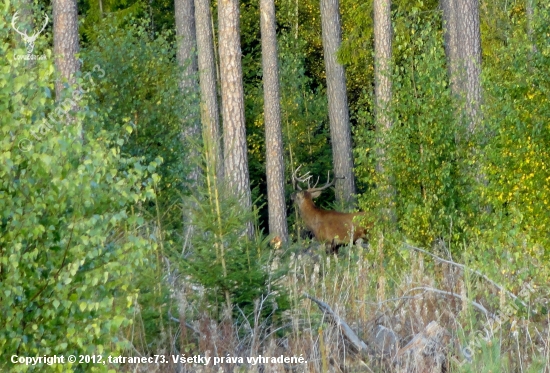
(69, 238)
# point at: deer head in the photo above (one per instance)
(312, 192)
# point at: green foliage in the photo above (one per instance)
(69, 239)
(101, 14)
(141, 98)
(141, 95)
(356, 52)
(513, 240)
(114, 12)
(233, 269)
(304, 110)
(488, 189)
(517, 89)
(303, 115)
(302, 20)
(490, 357)
(423, 158)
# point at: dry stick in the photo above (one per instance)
(499, 287)
(346, 330)
(438, 291)
(170, 317)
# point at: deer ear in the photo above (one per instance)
(315, 194)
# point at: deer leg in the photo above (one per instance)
(334, 246)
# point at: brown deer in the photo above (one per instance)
(329, 227)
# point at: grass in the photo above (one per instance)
(378, 288)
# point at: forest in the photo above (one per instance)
(275, 186)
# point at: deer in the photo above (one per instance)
(328, 227)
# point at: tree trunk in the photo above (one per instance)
(463, 50)
(234, 130)
(210, 113)
(185, 32)
(272, 117)
(338, 112)
(470, 56)
(65, 43)
(450, 28)
(383, 92)
(184, 14)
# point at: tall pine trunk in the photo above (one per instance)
(210, 113)
(463, 51)
(65, 48)
(234, 129)
(338, 111)
(272, 117)
(470, 55)
(383, 94)
(450, 27)
(65, 43)
(185, 32)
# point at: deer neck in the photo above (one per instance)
(309, 212)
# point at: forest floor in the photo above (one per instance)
(359, 311)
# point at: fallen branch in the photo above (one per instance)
(186, 324)
(499, 287)
(438, 291)
(350, 335)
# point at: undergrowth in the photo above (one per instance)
(491, 324)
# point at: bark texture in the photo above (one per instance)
(234, 130)
(340, 131)
(382, 62)
(450, 28)
(463, 51)
(470, 55)
(184, 14)
(185, 30)
(383, 94)
(272, 117)
(65, 43)
(210, 113)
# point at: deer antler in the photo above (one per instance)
(328, 184)
(307, 178)
(300, 179)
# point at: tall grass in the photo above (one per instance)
(368, 290)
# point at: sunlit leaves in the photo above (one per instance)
(65, 221)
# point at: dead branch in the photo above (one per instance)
(438, 291)
(350, 335)
(499, 287)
